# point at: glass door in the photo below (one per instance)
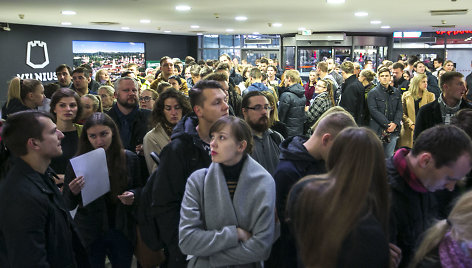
(252, 54)
(308, 58)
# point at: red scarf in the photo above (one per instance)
(401, 165)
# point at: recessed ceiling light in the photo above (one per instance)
(167, 31)
(255, 33)
(124, 28)
(335, 1)
(183, 8)
(145, 21)
(385, 27)
(361, 14)
(66, 23)
(230, 30)
(277, 24)
(375, 22)
(240, 18)
(194, 26)
(302, 29)
(68, 12)
(199, 34)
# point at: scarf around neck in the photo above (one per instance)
(452, 255)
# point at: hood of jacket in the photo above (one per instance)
(257, 87)
(293, 149)
(296, 89)
(186, 127)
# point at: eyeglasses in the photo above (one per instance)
(145, 99)
(260, 107)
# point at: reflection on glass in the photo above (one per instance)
(309, 57)
(289, 58)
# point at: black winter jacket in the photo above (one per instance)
(36, 229)
(295, 163)
(430, 115)
(182, 156)
(92, 220)
(411, 213)
(292, 109)
(353, 99)
(384, 108)
(14, 106)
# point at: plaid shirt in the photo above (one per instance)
(319, 105)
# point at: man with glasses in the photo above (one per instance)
(256, 110)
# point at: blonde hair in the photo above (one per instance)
(414, 85)
(97, 102)
(294, 76)
(459, 224)
(19, 89)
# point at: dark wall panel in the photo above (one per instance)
(13, 48)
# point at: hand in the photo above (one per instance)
(395, 255)
(60, 179)
(243, 235)
(76, 185)
(127, 198)
(391, 127)
(412, 127)
(139, 149)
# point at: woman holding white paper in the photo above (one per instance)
(107, 224)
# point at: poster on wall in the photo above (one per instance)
(112, 56)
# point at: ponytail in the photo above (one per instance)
(14, 91)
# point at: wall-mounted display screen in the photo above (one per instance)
(113, 56)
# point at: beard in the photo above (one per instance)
(261, 125)
(127, 104)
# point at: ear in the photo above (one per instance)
(425, 160)
(30, 95)
(325, 139)
(32, 143)
(242, 146)
(197, 109)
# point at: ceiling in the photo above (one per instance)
(216, 17)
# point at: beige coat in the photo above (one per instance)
(409, 116)
(154, 141)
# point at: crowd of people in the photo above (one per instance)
(221, 163)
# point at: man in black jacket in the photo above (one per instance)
(188, 151)
(440, 157)
(352, 94)
(36, 229)
(441, 110)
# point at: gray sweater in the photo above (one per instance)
(208, 217)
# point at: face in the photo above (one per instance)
(66, 109)
(224, 147)
(107, 100)
(187, 73)
(331, 64)
(397, 73)
(127, 94)
(50, 145)
(104, 76)
(214, 105)
(312, 77)
(87, 107)
(134, 70)
(437, 64)
(64, 78)
(80, 80)
(167, 68)
(37, 95)
(264, 67)
(384, 79)
(100, 136)
(420, 68)
(174, 84)
(446, 177)
(320, 87)
(449, 66)
(224, 59)
(145, 100)
(270, 72)
(406, 76)
(423, 84)
(257, 118)
(172, 111)
(455, 89)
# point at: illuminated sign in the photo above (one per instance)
(407, 34)
(453, 32)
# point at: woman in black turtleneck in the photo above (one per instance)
(228, 210)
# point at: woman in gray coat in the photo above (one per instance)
(228, 210)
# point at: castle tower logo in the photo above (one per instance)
(28, 54)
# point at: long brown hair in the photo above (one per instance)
(116, 160)
(328, 210)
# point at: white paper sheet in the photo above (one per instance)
(93, 166)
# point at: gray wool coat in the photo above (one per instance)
(208, 217)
